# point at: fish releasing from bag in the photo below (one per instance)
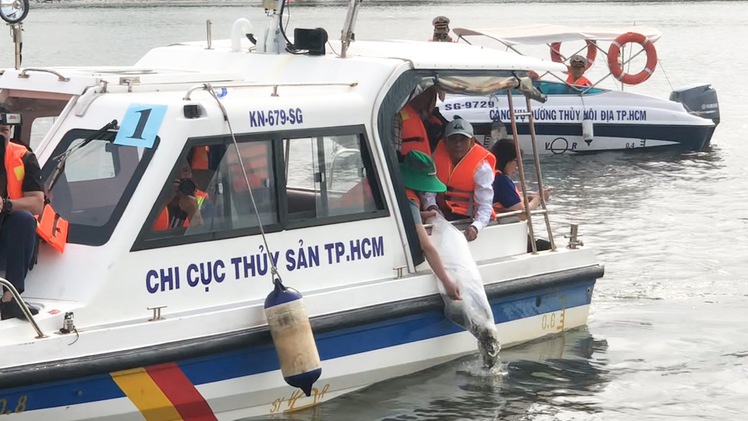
(472, 312)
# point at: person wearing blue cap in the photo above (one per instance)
(419, 176)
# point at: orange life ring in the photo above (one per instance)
(591, 53)
(616, 69)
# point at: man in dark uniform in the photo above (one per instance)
(22, 196)
(441, 29)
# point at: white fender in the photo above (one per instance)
(588, 131)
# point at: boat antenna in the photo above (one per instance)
(347, 35)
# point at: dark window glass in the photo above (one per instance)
(94, 184)
(329, 176)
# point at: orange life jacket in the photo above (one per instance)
(162, 222)
(498, 207)
(459, 179)
(359, 198)
(200, 158)
(413, 196)
(51, 227)
(14, 169)
(582, 81)
(414, 134)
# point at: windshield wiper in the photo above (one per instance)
(62, 158)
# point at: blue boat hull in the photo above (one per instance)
(236, 355)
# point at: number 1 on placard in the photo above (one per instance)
(140, 125)
(138, 132)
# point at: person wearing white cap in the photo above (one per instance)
(467, 169)
(577, 66)
(441, 29)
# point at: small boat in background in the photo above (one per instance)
(290, 165)
(576, 119)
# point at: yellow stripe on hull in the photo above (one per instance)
(146, 395)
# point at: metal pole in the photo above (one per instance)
(30, 317)
(520, 169)
(16, 29)
(209, 29)
(536, 159)
(347, 34)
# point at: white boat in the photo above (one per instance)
(139, 323)
(585, 120)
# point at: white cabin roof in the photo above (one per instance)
(422, 55)
(446, 55)
(178, 66)
(547, 33)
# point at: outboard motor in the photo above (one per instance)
(698, 100)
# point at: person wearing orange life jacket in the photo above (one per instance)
(467, 170)
(421, 123)
(188, 205)
(419, 176)
(577, 66)
(22, 193)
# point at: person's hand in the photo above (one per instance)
(188, 204)
(452, 290)
(435, 209)
(425, 215)
(471, 233)
(547, 193)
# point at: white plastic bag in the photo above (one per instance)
(473, 312)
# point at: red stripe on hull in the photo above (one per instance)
(181, 392)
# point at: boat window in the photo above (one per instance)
(96, 180)
(39, 112)
(250, 168)
(296, 180)
(208, 196)
(329, 176)
(39, 128)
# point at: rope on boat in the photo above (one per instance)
(273, 269)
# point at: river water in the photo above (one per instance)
(668, 330)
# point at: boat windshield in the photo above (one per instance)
(561, 88)
(95, 184)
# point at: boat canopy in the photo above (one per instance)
(547, 33)
(442, 55)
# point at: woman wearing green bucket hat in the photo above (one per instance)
(419, 175)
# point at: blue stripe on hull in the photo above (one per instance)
(690, 137)
(333, 344)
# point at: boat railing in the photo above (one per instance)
(502, 215)
(510, 214)
(342, 152)
(24, 307)
(25, 73)
(275, 86)
(520, 169)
